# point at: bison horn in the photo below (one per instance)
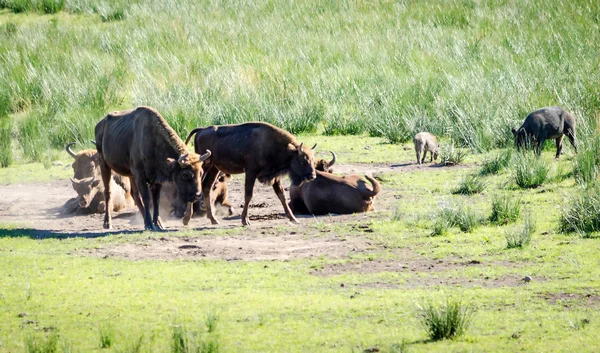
(313, 147)
(69, 151)
(205, 156)
(182, 158)
(94, 142)
(332, 160)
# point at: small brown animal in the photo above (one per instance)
(140, 144)
(546, 123)
(328, 193)
(426, 142)
(261, 151)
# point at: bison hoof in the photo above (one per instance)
(294, 220)
(214, 221)
(107, 225)
(246, 222)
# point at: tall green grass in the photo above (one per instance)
(465, 70)
(587, 162)
(447, 320)
(529, 171)
(582, 213)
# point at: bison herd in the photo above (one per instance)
(139, 159)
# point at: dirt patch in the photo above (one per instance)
(464, 282)
(285, 247)
(37, 206)
(405, 264)
(571, 299)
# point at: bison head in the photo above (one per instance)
(521, 138)
(86, 190)
(436, 152)
(187, 174)
(302, 166)
(325, 166)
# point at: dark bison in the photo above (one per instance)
(332, 194)
(260, 150)
(546, 123)
(139, 144)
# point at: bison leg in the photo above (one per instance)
(106, 172)
(136, 196)
(155, 188)
(209, 178)
(424, 155)
(279, 191)
(559, 146)
(144, 194)
(539, 145)
(418, 155)
(248, 192)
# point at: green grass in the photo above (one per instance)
(449, 155)
(529, 171)
(448, 320)
(505, 209)
(521, 237)
(467, 71)
(582, 213)
(496, 163)
(294, 306)
(471, 184)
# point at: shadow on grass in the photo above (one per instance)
(53, 234)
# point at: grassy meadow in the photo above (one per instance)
(466, 70)
(504, 244)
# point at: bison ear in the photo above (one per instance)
(292, 148)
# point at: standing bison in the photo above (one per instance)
(139, 143)
(332, 194)
(546, 123)
(260, 150)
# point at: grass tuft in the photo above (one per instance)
(582, 215)
(587, 162)
(461, 216)
(471, 184)
(446, 321)
(505, 209)
(39, 345)
(106, 336)
(529, 171)
(52, 6)
(450, 155)
(497, 163)
(521, 238)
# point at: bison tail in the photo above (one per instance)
(376, 186)
(192, 133)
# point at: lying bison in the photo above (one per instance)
(85, 164)
(426, 142)
(139, 144)
(332, 194)
(546, 123)
(88, 185)
(260, 150)
(90, 195)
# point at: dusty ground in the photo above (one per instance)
(37, 206)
